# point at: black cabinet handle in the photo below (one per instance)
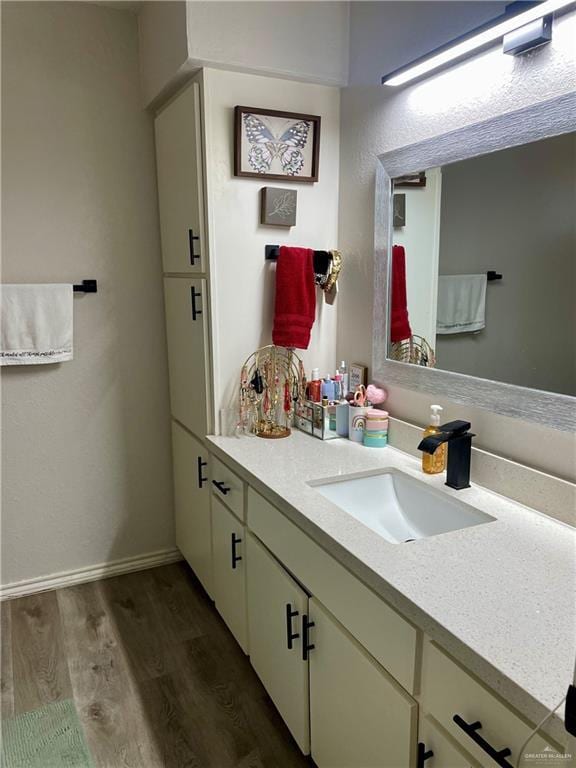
(201, 464)
(306, 644)
(235, 556)
(193, 294)
(191, 238)
(471, 729)
(222, 487)
(290, 635)
(423, 755)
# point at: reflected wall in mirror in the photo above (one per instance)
(512, 212)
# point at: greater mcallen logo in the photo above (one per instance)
(548, 753)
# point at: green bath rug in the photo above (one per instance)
(49, 737)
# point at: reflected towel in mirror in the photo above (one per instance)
(461, 303)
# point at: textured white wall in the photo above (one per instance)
(86, 444)
(163, 45)
(242, 282)
(297, 40)
(305, 41)
(377, 119)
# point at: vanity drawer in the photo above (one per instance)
(379, 628)
(227, 486)
(447, 690)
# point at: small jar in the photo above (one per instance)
(375, 439)
(376, 420)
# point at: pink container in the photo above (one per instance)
(376, 420)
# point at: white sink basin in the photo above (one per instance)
(398, 507)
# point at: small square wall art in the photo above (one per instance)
(278, 207)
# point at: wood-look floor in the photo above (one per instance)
(158, 680)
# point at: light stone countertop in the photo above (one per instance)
(499, 597)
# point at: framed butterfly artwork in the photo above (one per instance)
(269, 144)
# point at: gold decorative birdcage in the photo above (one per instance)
(415, 350)
(271, 384)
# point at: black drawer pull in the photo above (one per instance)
(194, 294)
(201, 479)
(290, 635)
(471, 729)
(191, 238)
(235, 556)
(423, 755)
(307, 646)
(222, 487)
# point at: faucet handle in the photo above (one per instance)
(455, 428)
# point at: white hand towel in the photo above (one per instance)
(461, 303)
(35, 324)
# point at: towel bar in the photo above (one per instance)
(86, 286)
(271, 252)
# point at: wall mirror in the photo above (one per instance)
(475, 272)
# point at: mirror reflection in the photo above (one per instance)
(483, 266)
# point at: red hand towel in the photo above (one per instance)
(399, 322)
(295, 306)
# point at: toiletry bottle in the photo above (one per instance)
(434, 463)
(338, 393)
(315, 386)
(343, 371)
(328, 388)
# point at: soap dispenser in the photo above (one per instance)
(434, 463)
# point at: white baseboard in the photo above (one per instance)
(91, 573)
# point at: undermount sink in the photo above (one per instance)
(398, 507)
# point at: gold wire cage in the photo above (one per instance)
(271, 384)
(415, 350)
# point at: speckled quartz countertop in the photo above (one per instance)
(499, 597)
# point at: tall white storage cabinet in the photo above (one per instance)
(179, 157)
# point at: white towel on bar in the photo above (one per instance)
(461, 303)
(35, 324)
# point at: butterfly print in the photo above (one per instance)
(265, 146)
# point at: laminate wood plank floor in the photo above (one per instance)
(157, 678)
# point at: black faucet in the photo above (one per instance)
(459, 440)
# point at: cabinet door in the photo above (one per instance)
(359, 716)
(192, 503)
(186, 323)
(229, 547)
(275, 606)
(436, 750)
(180, 186)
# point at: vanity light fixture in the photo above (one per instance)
(521, 32)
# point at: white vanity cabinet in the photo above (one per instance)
(186, 329)
(475, 718)
(192, 503)
(180, 183)
(358, 685)
(229, 563)
(276, 605)
(359, 716)
(435, 750)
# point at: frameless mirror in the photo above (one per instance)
(487, 287)
(475, 264)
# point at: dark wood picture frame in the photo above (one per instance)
(314, 119)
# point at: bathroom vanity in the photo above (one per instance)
(377, 653)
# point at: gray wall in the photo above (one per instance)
(515, 211)
(85, 444)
